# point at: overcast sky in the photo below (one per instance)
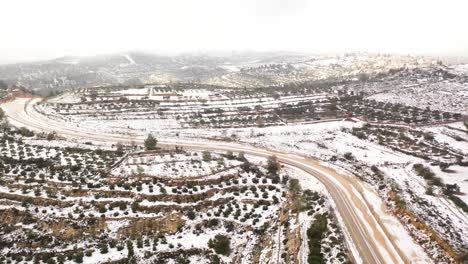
(33, 29)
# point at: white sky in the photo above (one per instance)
(38, 29)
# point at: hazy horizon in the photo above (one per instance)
(41, 30)
(216, 53)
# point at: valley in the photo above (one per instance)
(319, 169)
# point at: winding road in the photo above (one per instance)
(366, 236)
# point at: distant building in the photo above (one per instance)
(453, 188)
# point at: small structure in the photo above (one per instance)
(453, 188)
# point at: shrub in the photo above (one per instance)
(359, 134)
(427, 174)
(51, 136)
(428, 137)
(213, 222)
(348, 156)
(241, 156)
(191, 215)
(78, 257)
(206, 156)
(429, 190)
(150, 142)
(273, 165)
(459, 202)
(102, 209)
(104, 248)
(229, 155)
(139, 243)
(182, 260)
(26, 132)
(119, 149)
(315, 234)
(221, 244)
(437, 181)
(130, 249)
